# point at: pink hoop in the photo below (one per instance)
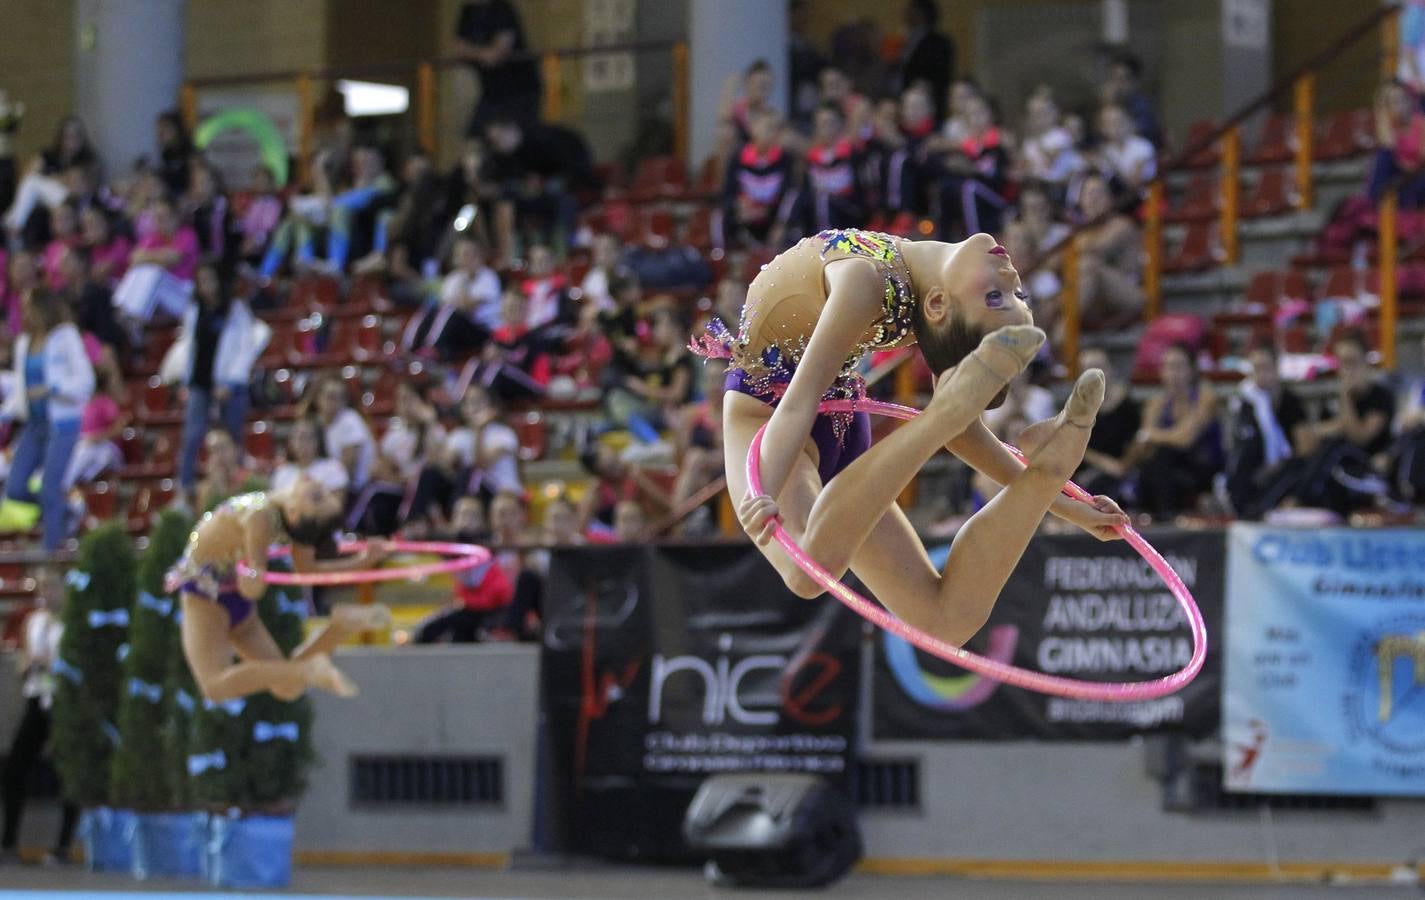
(467, 556)
(1034, 681)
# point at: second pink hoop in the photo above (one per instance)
(466, 556)
(1008, 674)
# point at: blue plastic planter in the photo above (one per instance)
(249, 852)
(108, 838)
(169, 845)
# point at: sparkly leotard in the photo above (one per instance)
(783, 304)
(216, 580)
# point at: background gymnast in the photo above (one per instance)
(223, 573)
(811, 315)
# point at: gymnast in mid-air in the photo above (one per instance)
(811, 315)
(222, 575)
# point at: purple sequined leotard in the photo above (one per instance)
(215, 581)
(783, 304)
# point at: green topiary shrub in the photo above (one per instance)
(254, 753)
(146, 736)
(100, 590)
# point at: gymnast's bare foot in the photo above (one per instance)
(356, 617)
(1062, 450)
(322, 673)
(969, 387)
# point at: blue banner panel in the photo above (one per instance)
(1324, 661)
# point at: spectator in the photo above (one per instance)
(1046, 152)
(1039, 216)
(160, 276)
(536, 171)
(607, 265)
(1110, 258)
(104, 419)
(546, 289)
(1120, 418)
(224, 474)
(1400, 146)
(1124, 88)
(1268, 422)
(1407, 457)
(109, 251)
(64, 235)
(39, 651)
(175, 153)
(1123, 155)
(630, 522)
(648, 399)
(482, 593)
(509, 518)
(55, 381)
(306, 456)
(614, 480)
(955, 128)
(491, 38)
(758, 183)
(91, 303)
(260, 217)
(412, 230)
(219, 344)
(928, 57)
(484, 450)
(205, 209)
(974, 174)
(307, 214)
(700, 453)
(1339, 471)
(837, 89)
(561, 523)
(345, 434)
(22, 278)
(467, 310)
(146, 190)
(468, 201)
(355, 210)
(44, 185)
(1178, 451)
(1041, 281)
(805, 63)
(515, 365)
(832, 195)
(414, 439)
(744, 95)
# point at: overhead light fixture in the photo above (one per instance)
(369, 98)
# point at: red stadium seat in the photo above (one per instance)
(1273, 195)
(1199, 249)
(101, 502)
(1199, 131)
(1276, 143)
(658, 177)
(1344, 135)
(1199, 201)
(148, 501)
(532, 434)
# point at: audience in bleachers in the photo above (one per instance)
(473, 322)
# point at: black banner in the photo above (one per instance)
(1078, 608)
(665, 665)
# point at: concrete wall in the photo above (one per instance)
(37, 58)
(432, 701)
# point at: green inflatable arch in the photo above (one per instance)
(260, 127)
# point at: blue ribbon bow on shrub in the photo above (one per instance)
(184, 701)
(288, 606)
(199, 763)
(65, 670)
(231, 707)
(161, 606)
(98, 618)
(122, 653)
(110, 732)
(153, 693)
(267, 731)
(77, 579)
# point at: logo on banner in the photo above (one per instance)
(726, 700)
(947, 693)
(1386, 696)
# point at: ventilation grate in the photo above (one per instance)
(427, 780)
(1207, 794)
(888, 784)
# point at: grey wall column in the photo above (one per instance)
(727, 36)
(128, 68)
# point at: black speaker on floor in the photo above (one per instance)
(773, 830)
